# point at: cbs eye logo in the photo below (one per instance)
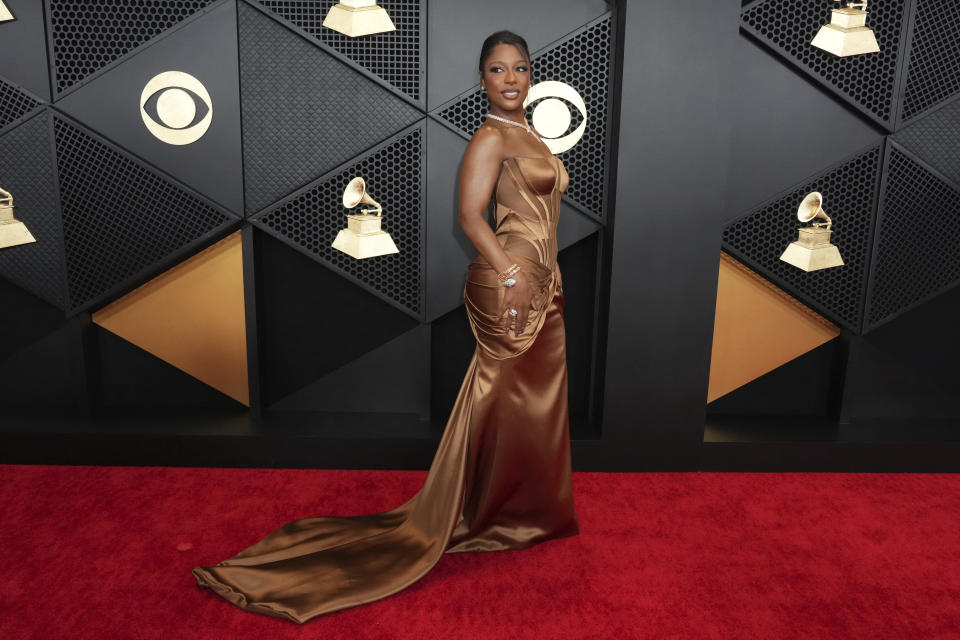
(176, 107)
(551, 115)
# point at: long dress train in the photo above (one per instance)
(500, 478)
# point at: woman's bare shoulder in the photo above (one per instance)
(487, 142)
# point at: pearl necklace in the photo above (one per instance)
(524, 125)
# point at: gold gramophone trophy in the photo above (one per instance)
(363, 237)
(812, 249)
(358, 18)
(848, 33)
(12, 231)
(5, 14)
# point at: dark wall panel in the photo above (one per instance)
(28, 171)
(206, 48)
(393, 173)
(868, 82)
(913, 264)
(456, 32)
(15, 104)
(23, 48)
(88, 35)
(396, 58)
(121, 219)
(672, 179)
(933, 75)
(313, 321)
(305, 112)
(849, 198)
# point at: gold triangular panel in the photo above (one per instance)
(758, 327)
(192, 317)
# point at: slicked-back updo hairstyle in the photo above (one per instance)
(501, 37)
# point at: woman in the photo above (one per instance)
(501, 476)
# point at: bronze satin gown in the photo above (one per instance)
(500, 478)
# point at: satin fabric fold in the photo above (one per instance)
(500, 478)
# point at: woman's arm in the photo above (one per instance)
(478, 177)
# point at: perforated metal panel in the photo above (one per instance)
(395, 56)
(27, 170)
(936, 139)
(918, 238)
(90, 34)
(310, 220)
(582, 60)
(865, 81)
(849, 193)
(933, 74)
(304, 112)
(120, 218)
(14, 103)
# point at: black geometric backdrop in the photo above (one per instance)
(112, 207)
(311, 217)
(868, 82)
(397, 57)
(895, 219)
(849, 198)
(918, 237)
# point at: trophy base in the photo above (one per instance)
(364, 246)
(812, 259)
(846, 42)
(358, 21)
(14, 233)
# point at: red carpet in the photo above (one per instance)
(98, 552)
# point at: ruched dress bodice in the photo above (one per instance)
(526, 212)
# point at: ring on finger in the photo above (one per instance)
(514, 312)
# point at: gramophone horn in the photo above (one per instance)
(356, 193)
(812, 208)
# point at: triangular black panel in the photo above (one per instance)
(582, 60)
(88, 35)
(868, 82)
(120, 219)
(304, 111)
(400, 369)
(775, 392)
(395, 56)
(936, 139)
(312, 321)
(27, 318)
(205, 48)
(924, 341)
(310, 219)
(28, 172)
(883, 384)
(135, 380)
(44, 377)
(850, 193)
(933, 74)
(14, 104)
(917, 252)
(573, 226)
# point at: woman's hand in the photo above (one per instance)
(519, 297)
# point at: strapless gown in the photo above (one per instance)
(500, 478)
